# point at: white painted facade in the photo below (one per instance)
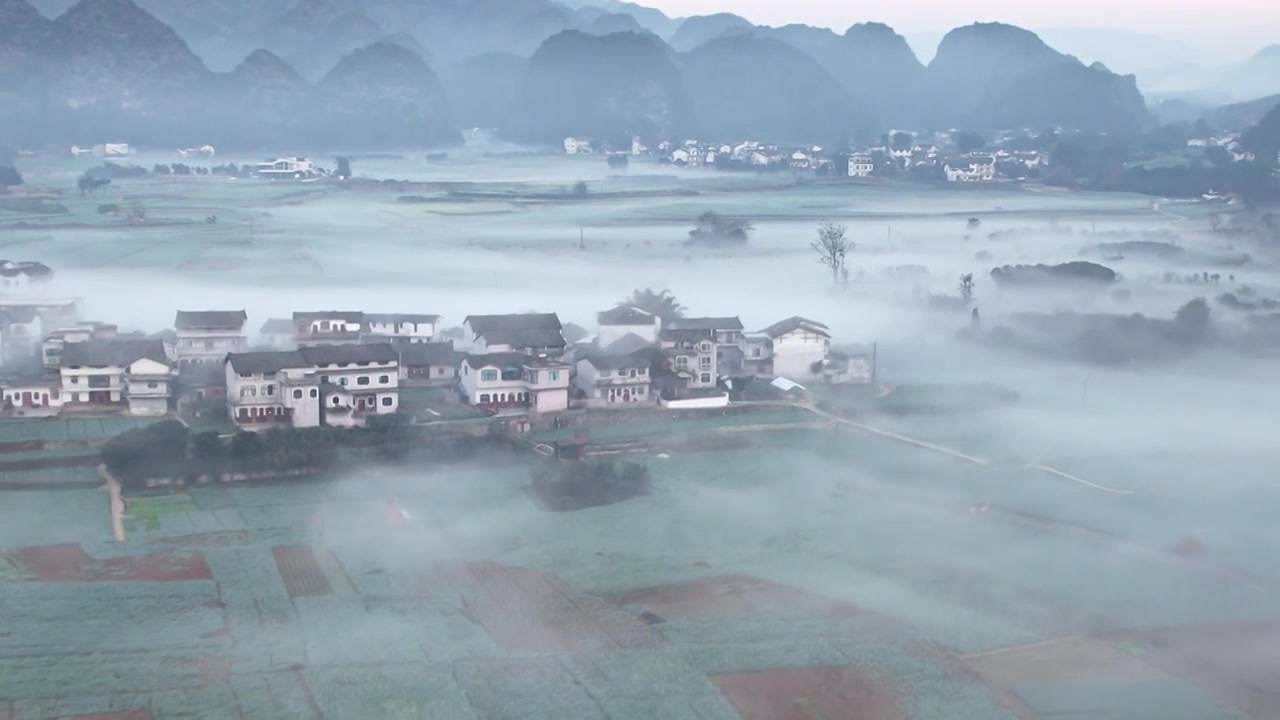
(795, 352)
(507, 380)
(861, 166)
(977, 170)
(287, 396)
(610, 382)
(294, 168)
(208, 337)
(143, 386)
(33, 393)
(578, 146)
(299, 388)
(406, 328)
(696, 403)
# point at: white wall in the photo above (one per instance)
(696, 403)
(796, 351)
(207, 345)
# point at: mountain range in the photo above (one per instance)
(363, 73)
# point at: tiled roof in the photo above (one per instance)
(343, 315)
(381, 353)
(428, 354)
(708, 323)
(210, 319)
(112, 353)
(626, 315)
(485, 324)
(791, 324)
(265, 363)
(500, 360)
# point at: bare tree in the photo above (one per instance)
(966, 287)
(833, 248)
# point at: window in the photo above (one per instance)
(706, 378)
(533, 377)
(640, 392)
(314, 393)
(362, 380)
(488, 375)
(152, 385)
(682, 361)
(342, 382)
(297, 394)
(248, 391)
(755, 352)
(606, 373)
(386, 401)
(439, 371)
(384, 379)
(208, 344)
(704, 362)
(270, 391)
(335, 401)
(75, 380)
(484, 398)
(705, 347)
(631, 372)
(555, 375)
(243, 413)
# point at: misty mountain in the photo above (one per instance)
(1264, 138)
(24, 37)
(1124, 51)
(1241, 116)
(993, 76)
(602, 86)
(484, 89)
(695, 31)
(314, 35)
(608, 23)
(383, 95)
(756, 87)
(651, 19)
(453, 30)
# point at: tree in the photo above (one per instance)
(713, 225)
(344, 168)
(832, 248)
(618, 161)
(1191, 322)
(155, 451)
(967, 142)
(9, 177)
(966, 287)
(974, 223)
(902, 140)
(662, 304)
(580, 188)
(90, 184)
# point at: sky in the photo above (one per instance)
(1219, 25)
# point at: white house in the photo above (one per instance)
(291, 168)
(578, 146)
(976, 168)
(206, 336)
(528, 333)
(31, 394)
(615, 324)
(327, 327)
(136, 375)
(613, 380)
(21, 276)
(338, 385)
(401, 327)
(508, 380)
(861, 166)
(793, 347)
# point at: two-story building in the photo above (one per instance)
(861, 166)
(131, 375)
(707, 349)
(400, 327)
(337, 385)
(327, 327)
(206, 336)
(790, 348)
(526, 333)
(23, 275)
(514, 381)
(613, 380)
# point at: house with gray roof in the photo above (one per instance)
(267, 389)
(328, 327)
(433, 363)
(528, 333)
(206, 336)
(789, 348)
(623, 380)
(118, 375)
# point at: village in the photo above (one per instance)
(955, 157)
(341, 368)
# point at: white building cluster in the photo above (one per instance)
(340, 368)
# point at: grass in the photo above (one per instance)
(145, 512)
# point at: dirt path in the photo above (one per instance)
(117, 502)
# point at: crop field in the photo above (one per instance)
(803, 574)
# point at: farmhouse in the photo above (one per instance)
(398, 327)
(791, 348)
(338, 385)
(327, 327)
(527, 333)
(206, 336)
(431, 362)
(613, 380)
(131, 375)
(511, 380)
(624, 320)
(16, 277)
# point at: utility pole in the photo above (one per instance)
(875, 361)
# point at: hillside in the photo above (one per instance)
(995, 76)
(484, 89)
(314, 35)
(383, 95)
(609, 86)
(697, 30)
(1264, 138)
(758, 87)
(1241, 116)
